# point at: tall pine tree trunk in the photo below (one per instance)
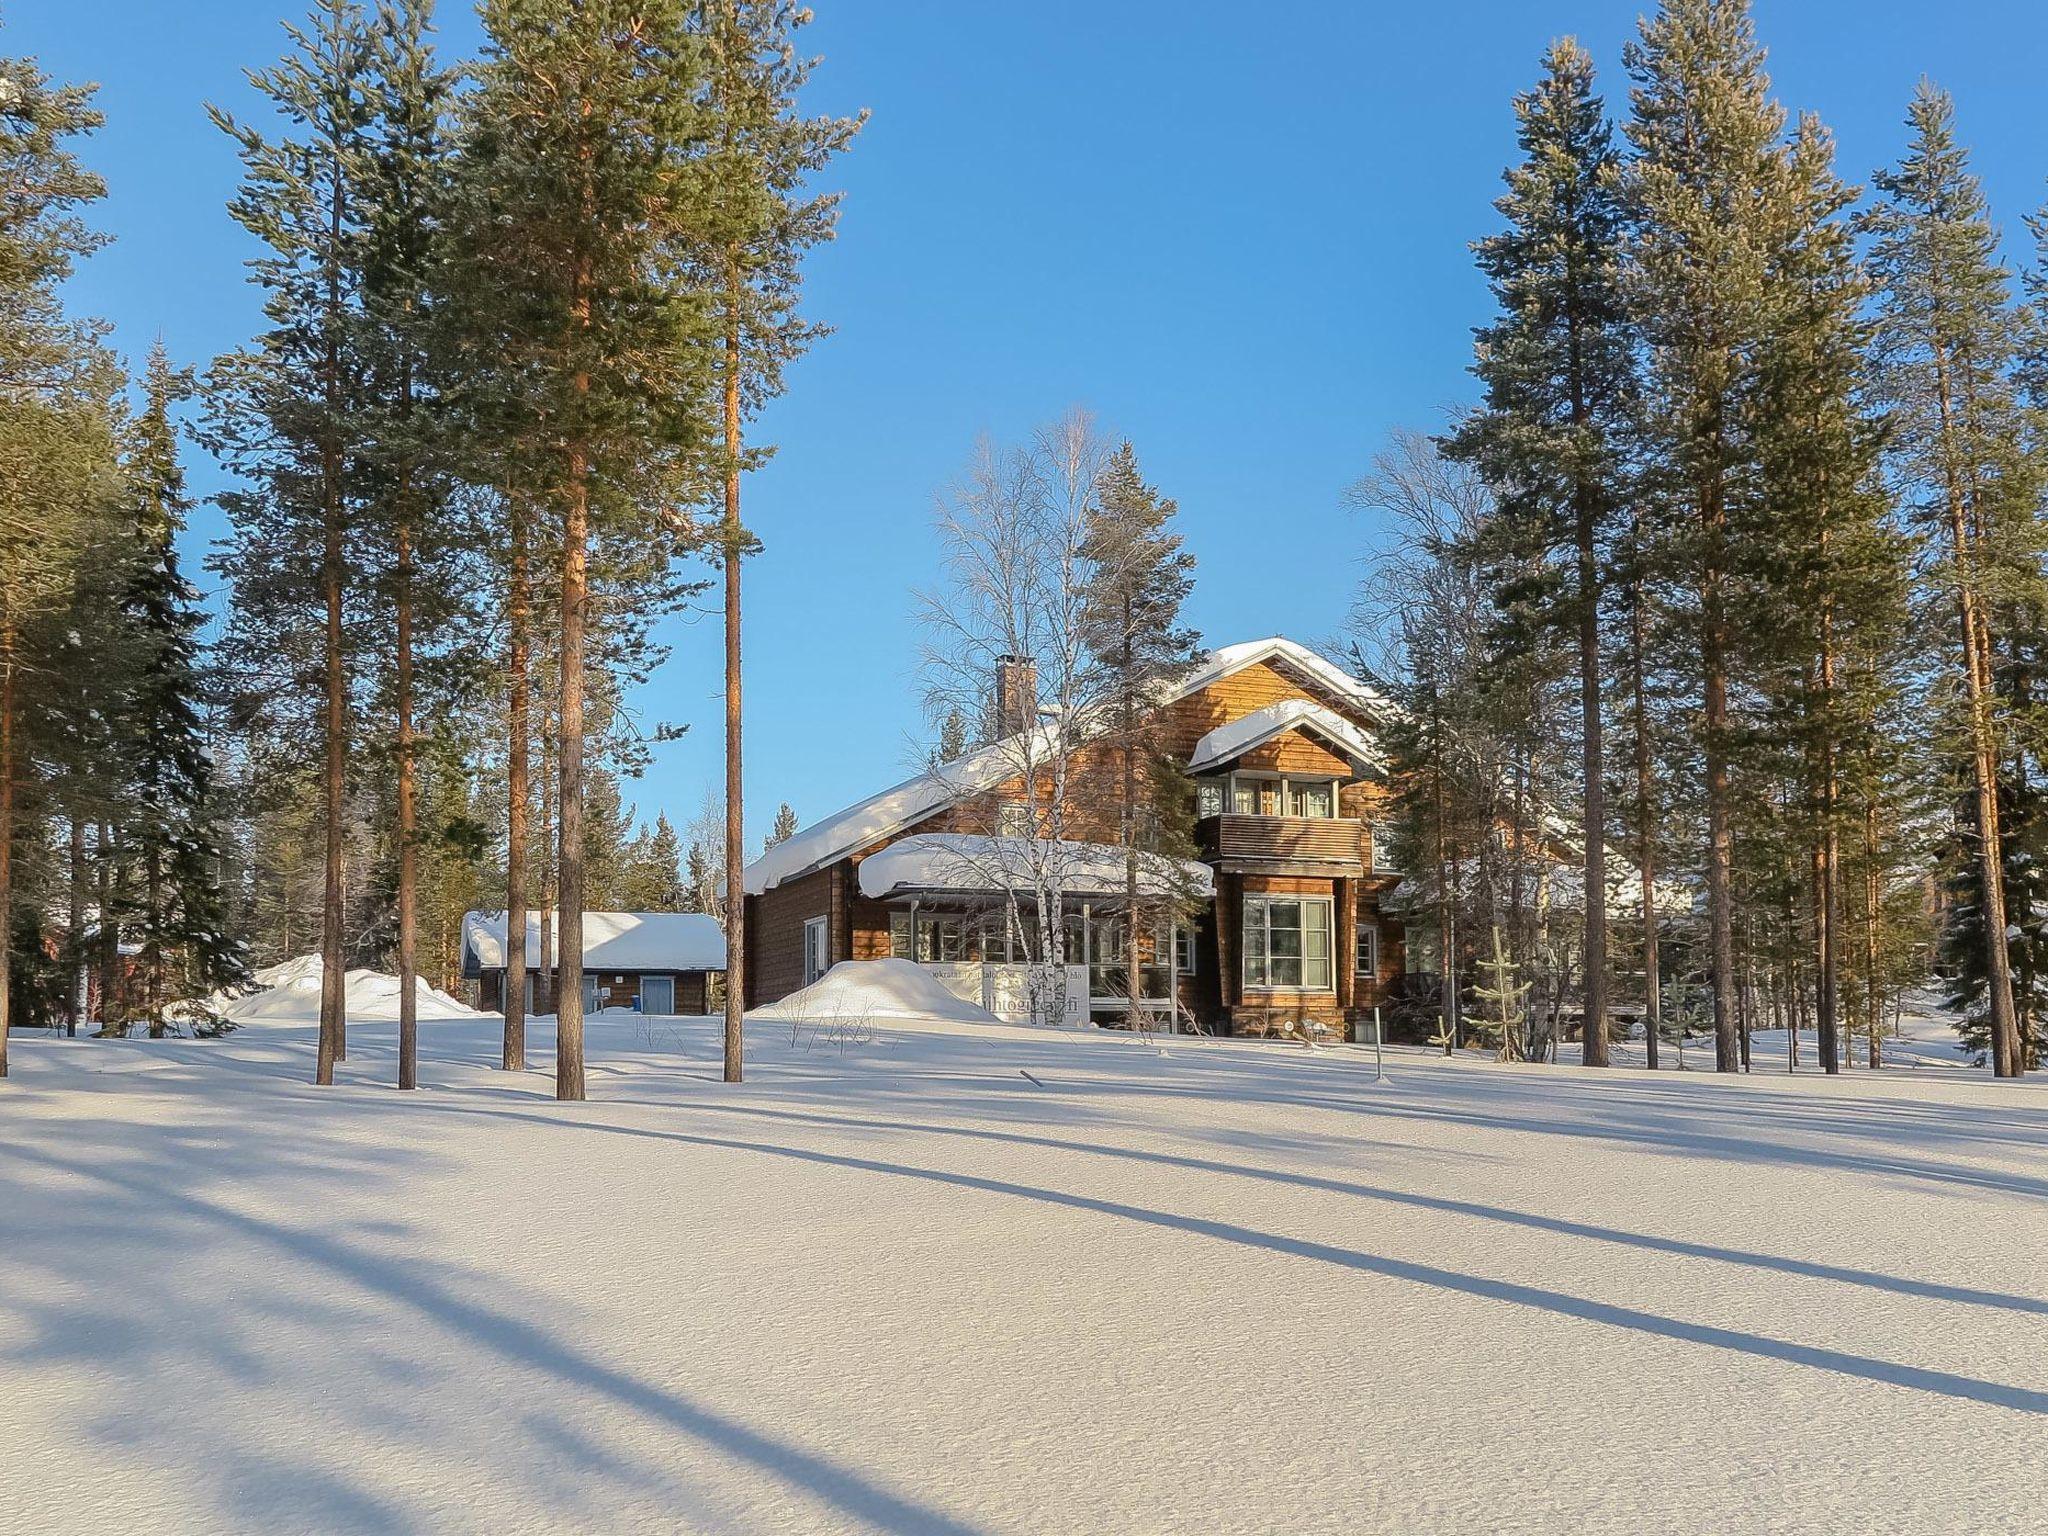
(519, 614)
(569, 812)
(1592, 767)
(2005, 1056)
(1646, 832)
(1714, 729)
(109, 957)
(153, 944)
(74, 929)
(8, 665)
(550, 890)
(333, 1003)
(408, 824)
(735, 844)
(333, 978)
(1828, 860)
(1873, 896)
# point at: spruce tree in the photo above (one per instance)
(760, 217)
(173, 824)
(1944, 361)
(1137, 579)
(783, 829)
(1558, 367)
(1826, 577)
(56, 448)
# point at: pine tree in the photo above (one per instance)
(761, 217)
(1558, 371)
(55, 442)
(784, 828)
(173, 825)
(402, 195)
(580, 184)
(1944, 362)
(1137, 579)
(1706, 189)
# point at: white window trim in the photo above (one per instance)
(822, 927)
(1369, 929)
(1244, 957)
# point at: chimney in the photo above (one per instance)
(1016, 694)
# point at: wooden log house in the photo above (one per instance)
(1292, 926)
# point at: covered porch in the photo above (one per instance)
(966, 907)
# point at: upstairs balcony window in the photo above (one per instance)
(1259, 794)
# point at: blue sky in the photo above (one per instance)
(1239, 239)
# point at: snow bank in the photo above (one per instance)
(289, 993)
(875, 989)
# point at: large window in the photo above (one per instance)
(1287, 942)
(938, 937)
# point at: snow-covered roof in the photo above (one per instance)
(624, 941)
(957, 861)
(1319, 669)
(903, 805)
(1239, 736)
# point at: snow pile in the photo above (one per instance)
(874, 989)
(289, 993)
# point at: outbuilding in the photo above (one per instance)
(655, 962)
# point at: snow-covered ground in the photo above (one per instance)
(899, 1285)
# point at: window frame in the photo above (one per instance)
(1263, 902)
(1365, 938)
(1284, 788)
(822, 927)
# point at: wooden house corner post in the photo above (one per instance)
(1344, 951)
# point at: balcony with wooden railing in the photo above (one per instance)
(1306, 845)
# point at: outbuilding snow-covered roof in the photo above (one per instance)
(616, 941)
(903, 805)
(959, 861)
(1239, 736)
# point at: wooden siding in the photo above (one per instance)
(1260, 844)
(615, 989)
(1293, 752)
(775, 932)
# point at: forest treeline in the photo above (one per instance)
(1726, 602)
(519, 312)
